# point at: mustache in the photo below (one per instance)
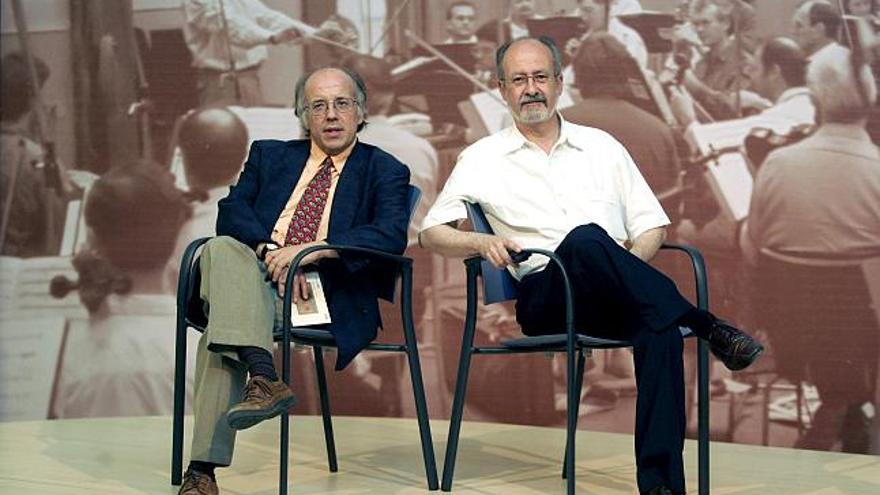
(533, 99)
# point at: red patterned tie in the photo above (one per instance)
(307, 216)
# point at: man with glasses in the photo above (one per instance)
(546, 183)
(326, 189)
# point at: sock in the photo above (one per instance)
(258, 361)
(203, 467)
(699, 321)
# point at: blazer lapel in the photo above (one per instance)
(287, 173)
(348, 190)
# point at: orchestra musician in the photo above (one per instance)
(718, 76)
(598, 17)
(814, 219)
(120, 361)
(743, 22)
(815, 27)
(602, 80)
(777, 73)
(461, 18)
(28, 202)
(213, 143)
(513, 26)
(229, 41)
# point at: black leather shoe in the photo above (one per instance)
(734, 348)
(660, 490)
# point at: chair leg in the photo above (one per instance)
(703, 415)
(455, 418)
(284, 454)
(415, 371)
(179, 402)
(571, 418)
(325, 409)
(579, 386)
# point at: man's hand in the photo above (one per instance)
(682, 105)
(692, 82)
(278, 262)
(333, 30)
(286, 36)
(300, 286)
(494, 249)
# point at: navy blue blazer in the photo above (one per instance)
(369, 210)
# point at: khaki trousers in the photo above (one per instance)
(244, 309)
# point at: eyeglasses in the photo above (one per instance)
(319, 108)
(521, 80)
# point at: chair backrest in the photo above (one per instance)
(415, 194)
(498, 284)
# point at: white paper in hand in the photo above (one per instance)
(311, 311)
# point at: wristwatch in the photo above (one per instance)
(269, 246)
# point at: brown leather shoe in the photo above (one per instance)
(196, 483)
(263, 399)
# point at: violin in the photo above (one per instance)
(760, 141)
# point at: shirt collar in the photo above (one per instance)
(791, 93)
(844, 131)
(513, 139)
(338, 159)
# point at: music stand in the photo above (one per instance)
(442, 87)
(560, 29)
(655, 28)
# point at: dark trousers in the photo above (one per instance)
(617, 295)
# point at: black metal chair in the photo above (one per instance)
(190, 313)
(499, 285)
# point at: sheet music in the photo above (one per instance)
(269, 122)
(29, 352)
(492, 112)
(729, 175)
(74, 229)
(24, 288)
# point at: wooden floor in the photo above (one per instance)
(382, 456)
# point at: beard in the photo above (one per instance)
(538, 111)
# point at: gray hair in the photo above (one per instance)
(300, 103)
(544, 40)
(841, 96)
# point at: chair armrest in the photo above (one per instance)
(700, 276)
(404, 264)
(395, 258)
(569, 303)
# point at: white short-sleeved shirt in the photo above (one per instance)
(536, 199)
